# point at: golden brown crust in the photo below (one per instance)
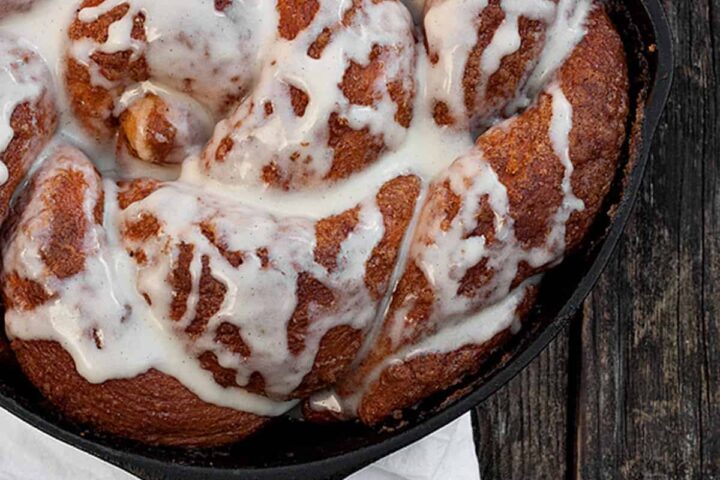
(330, 233)
(23, 294)
(180, 281)
(295, 16)
(396, 200)
(135, 191)
(152, 408)
(405, 383)
(210, 297)
(338, 349)
(64, 252)
(310, 293)
(354, 149)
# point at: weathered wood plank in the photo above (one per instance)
(710, 395)
(648, 406)
(521, 430)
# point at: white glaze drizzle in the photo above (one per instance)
(423, 149)
(564, 34)
(133, 337)
(260, 300)
(452, 31)
(476, 329)
(445, 254)
(506, 39)
(23, 78)
(298, 146)
(215, 53)
(426, 151)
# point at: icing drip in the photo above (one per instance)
(116, 335)
(451, 29)
(445, 254)
(560, 128)
(453, 51)
(506, 40)
(476, 329)
(23, 76)
(453, 251)
(295, 140)
(273, 259)
(564, 34)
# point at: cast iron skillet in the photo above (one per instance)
(291, 449)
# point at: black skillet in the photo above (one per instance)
(291, 449)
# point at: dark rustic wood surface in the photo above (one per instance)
(632, 388)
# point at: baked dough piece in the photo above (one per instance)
(64, 205)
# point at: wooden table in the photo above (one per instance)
(632, 388)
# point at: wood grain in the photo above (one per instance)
(635, 384)
(527, 419)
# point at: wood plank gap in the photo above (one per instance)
(574, 379)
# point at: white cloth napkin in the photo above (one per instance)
(28, 454)
(448, 453)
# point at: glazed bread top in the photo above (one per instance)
(301, 196)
